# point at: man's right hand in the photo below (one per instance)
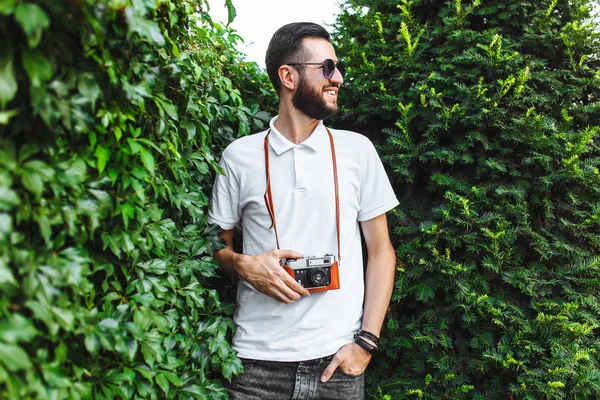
(265, 273)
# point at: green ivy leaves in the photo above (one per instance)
(8, 81)
(231, 13)
(147, 29)
(485, 112)
(33, 20)
(112, 118)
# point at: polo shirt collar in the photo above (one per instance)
(317, 140)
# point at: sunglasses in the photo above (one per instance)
(328, 66)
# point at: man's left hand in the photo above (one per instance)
(350, 358)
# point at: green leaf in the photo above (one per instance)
(174, 379)
(147, 160)
(8, 80)
(425, 293)
(231, 12)
(17, 329)
(139, 189)
(134, 145)
(40, 168)
(27, 150)
(223, 97)
(33, 175)
(55, 378)
(132, 347)
(102, 156)
(14, 357)
(87, 86)
(39, 69)
(168, 107)
(118, 133)
(5, 116)
(33, 20)
(190, 127)
(201, 166)
(92, 343)
(32, 182)
(146, 29)
(162, 382)
(145, 372)
(149, 354)
(8, 199)
(108, 324)
(151, 144)
(64, 317)
(195, 390)
(104, 199)
(231, 367)
(127, 212)
(7, 7)
(6, 227)
(6, 275)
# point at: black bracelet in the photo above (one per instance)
(368, 335)
(366, 345)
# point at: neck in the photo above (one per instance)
(295, 126)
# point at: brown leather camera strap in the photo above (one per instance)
(269, 196)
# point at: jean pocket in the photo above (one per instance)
(347, 375)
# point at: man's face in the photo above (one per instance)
(315, 96)
(309, 100)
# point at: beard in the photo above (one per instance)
(311, 103)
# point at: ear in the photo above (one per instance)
(288, 77)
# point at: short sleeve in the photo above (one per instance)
(376, 193)
(224, 204)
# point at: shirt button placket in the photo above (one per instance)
(300, 184)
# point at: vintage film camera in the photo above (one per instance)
(316, 274)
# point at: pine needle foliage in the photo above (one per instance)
(112, 116)
(488, 116)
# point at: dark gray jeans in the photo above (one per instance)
(275, 380)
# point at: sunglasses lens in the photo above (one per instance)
(342, 68)
(329, 68)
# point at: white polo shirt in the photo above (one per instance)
(304, 201)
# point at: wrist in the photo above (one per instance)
(367, 340)
(373, 330)
(237, 259)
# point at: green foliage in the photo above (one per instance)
(112, 115)
(488, 115)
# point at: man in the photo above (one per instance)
(281, 184)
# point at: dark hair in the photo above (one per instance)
(286, 47)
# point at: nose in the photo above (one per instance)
(337, 77)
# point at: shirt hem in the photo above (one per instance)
(385, 207)
(287, 357)
(224, 225)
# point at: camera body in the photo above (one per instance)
(316, 274)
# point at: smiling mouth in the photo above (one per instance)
(331, 92)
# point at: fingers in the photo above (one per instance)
(289, 289)
(349, 359)
(265, 273)
(330, 369)
(287, 254)
(281, 296)
(291, 282)
(283, 292)
(282, 286)
(295, 286)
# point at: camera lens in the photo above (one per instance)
(318, 277)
